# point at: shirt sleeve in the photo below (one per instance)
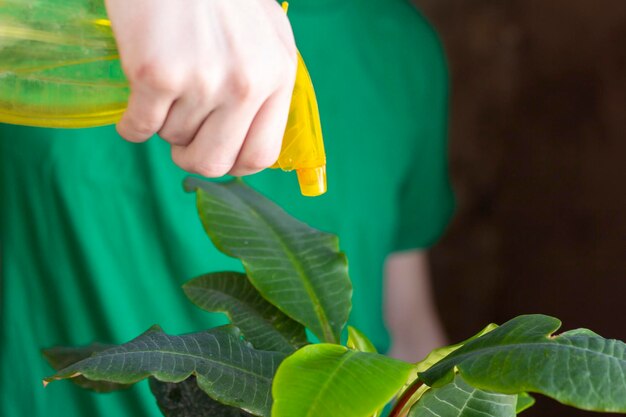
(426, 200)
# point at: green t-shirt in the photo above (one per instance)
(97, 235)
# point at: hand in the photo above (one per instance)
(213, 77)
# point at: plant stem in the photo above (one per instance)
(404, 398)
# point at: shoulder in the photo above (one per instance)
(410, 21)
(409, 36)
(406, 24)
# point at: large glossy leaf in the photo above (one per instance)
(577, 368)
(226, 367)
(358, 341)
(262, 324)
(414, 389)
(334, 381)
(459, 399)
(61, 357)
(186, 399)
(295, 267)
(438, 354)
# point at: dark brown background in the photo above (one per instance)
(538, 158)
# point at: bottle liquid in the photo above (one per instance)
(60, 68)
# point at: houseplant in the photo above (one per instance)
(296, 278)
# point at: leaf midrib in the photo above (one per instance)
(248, 307)
(346, 356)
(461, 357)
(299, 267)
(243, 370)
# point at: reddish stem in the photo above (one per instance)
(405, 397)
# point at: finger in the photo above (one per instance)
(146, 113)
(214, 149)
(261, 147)
(185, 119)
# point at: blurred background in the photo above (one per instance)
(538, 160)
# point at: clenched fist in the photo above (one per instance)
(212, 77)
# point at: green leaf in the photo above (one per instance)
(524, 402)
(431, 359)
(262, 324)
(226, 367)
(186, 399)
(297, 268)
(60, 357)
(331, 380)
(459, 399)
(438, 354)
(358, 341)
(577, 368)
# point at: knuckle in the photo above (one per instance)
(156, 77)
(258, 161)
(145, 126)
(129, 135)
(174, 138)
(266, 159)
(210, 169)
(242, 85)
(205, 90)
(179, 159)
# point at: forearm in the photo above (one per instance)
(410, 312)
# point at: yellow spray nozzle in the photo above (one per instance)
(73, 79)
(303, 144)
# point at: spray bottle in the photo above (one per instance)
(60, 68)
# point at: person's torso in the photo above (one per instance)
(97, 235)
